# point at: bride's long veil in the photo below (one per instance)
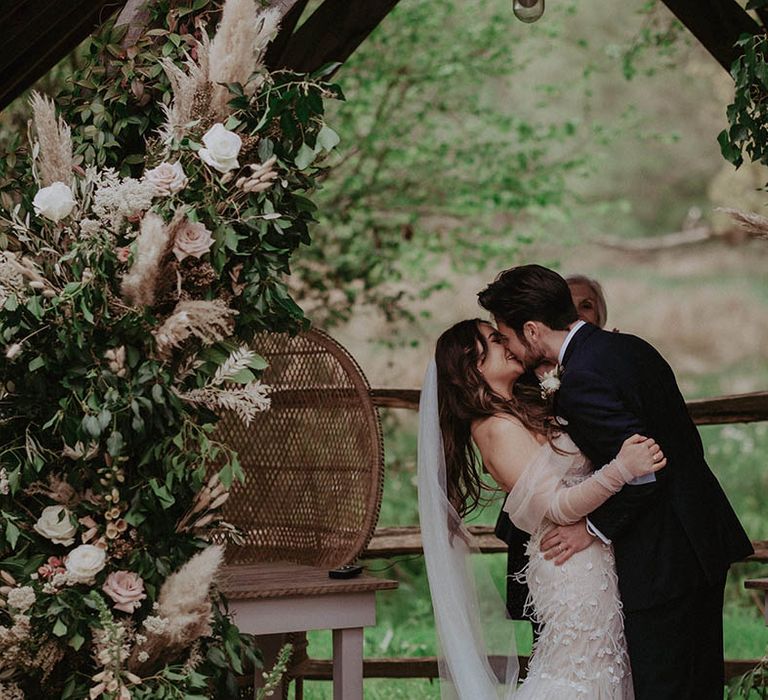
(470, 615)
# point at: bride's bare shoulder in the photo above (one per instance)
(506, 446)
(501, 427)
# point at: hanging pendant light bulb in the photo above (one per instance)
(528, 10)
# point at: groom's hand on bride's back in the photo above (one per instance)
(563, 541)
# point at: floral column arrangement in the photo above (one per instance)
(126, 307)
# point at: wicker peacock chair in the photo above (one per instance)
(314, 462)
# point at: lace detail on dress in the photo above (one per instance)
(581, 651)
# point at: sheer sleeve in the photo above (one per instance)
(571, 503)
(539, 493)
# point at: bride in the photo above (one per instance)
(471, 398)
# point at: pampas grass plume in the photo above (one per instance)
(185, 597)
(237, 48)
(185, 84)
(208, 321)
(139, 284)
(55, 139)
(186, 591)
(185, 607)
(753, 224)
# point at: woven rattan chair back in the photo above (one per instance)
(314, 462)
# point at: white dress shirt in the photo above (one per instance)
(567, 340)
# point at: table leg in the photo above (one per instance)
(348, 664)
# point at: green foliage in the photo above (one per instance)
(120, 347)
(747, 130)
(449, 158)
(117, 94)
(753, 684)
(659, 37)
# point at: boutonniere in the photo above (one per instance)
(550, 382)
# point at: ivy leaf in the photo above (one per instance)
(76, 641)
(33, 306)
(729, 151)
(163, 494)
(90, 425)
(304, 157)
(258, 363)
(231, 239)
(115, 443)
(12, 533)
(135, 518)
(105, 416)
(226, 475)
(157, 394)
(327, 138)
(244, 376)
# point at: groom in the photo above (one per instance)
(675, 534)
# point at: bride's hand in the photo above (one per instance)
(641, 455)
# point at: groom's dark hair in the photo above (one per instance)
(529, 293)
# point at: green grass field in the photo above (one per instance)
(405, 627)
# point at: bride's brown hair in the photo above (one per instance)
(464, 396)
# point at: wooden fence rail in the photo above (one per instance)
(404, 541)
(426, 667)
(737, 408)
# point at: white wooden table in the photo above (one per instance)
(274, 598)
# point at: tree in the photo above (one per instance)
(441, 157)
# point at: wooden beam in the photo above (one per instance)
(738, 408)
(288, 24)
(330, 35)
(39, 33)
(762, 15)
(717, 24)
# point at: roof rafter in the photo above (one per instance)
(330, 35)
(717, 24)
(39, 33)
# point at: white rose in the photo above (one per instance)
(56, 525)
(54, 202)
(167, 179)
(221, 148)
(84, 562)
(21, 598)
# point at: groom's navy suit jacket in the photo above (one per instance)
(670, 535)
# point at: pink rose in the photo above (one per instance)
(192, 239)
(123, 254)
(126, 589)
(167, 179)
